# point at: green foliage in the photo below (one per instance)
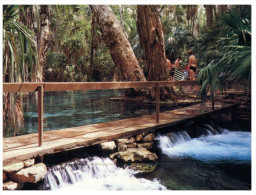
(236, 52)
(209, 79)
(179, 43)
(17, 38)
(70, 47)
(230, 50)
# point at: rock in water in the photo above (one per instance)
(135, 155)
(148, 138)
(10, 185)
(13, 167)
(108, 146)
(32, 174)
(142, 167)
(139, 137)
(4, 176)
(122, 147)
(146, 145)
(29, 163)
(126, 140)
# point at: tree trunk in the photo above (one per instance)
(209, 14)
(128, 68)
(152, 42)
(93, 32)
(122, 20)
(43, 40)
(42, 43)
(222, 9)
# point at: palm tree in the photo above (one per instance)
(16, 39)
(19, 49)
(236, 39)
(233, 54)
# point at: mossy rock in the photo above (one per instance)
(142, 167)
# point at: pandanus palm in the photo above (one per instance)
(18, 47)
(234, 54)
(237, 48)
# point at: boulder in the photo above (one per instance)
(10, 185)
(148, 145)
(29, 163)
(142, 167)
(31, 175)
(132, 145)
(4, 176)
(126, 140)
(13, 167)
(226, 117)
(135, 155)
(139, 137)
(108, 146)
(122, 147)
(148, 138)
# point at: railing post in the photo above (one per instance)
(40, 105)
(157, 102)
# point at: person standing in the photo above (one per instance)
(178, 72)
(170, 68)
(192, 65)
(177, 62)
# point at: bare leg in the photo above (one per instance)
(192, 75)
(192, 78)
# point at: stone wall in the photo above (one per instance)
(132, 149)
(129, 150)
(17, 174)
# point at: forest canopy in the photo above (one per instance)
(60, 43)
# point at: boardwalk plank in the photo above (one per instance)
(26, 146)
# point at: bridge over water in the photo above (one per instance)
(38, 144)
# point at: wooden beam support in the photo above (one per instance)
(157, 102)
(40, 107)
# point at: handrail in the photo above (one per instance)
(64, 86)
(41, 87)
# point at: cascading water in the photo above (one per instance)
(216, 158)
(96, 174)
(212, 146)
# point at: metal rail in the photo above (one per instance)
(40, 87)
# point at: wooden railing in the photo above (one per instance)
(40, 87)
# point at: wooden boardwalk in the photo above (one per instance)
(24, 147)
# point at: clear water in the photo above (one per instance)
(213, 161)
(209, 162)
(217, 160)
(76, 108)
(96, 174)
(230, 145)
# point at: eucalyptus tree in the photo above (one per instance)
(128, 68)
(191, 16)
(209, 14)
(42, 42)
(222, 9)
(151, 36)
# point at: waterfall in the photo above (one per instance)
(96, 174)
(215, 144)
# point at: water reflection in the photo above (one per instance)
(76, 108)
